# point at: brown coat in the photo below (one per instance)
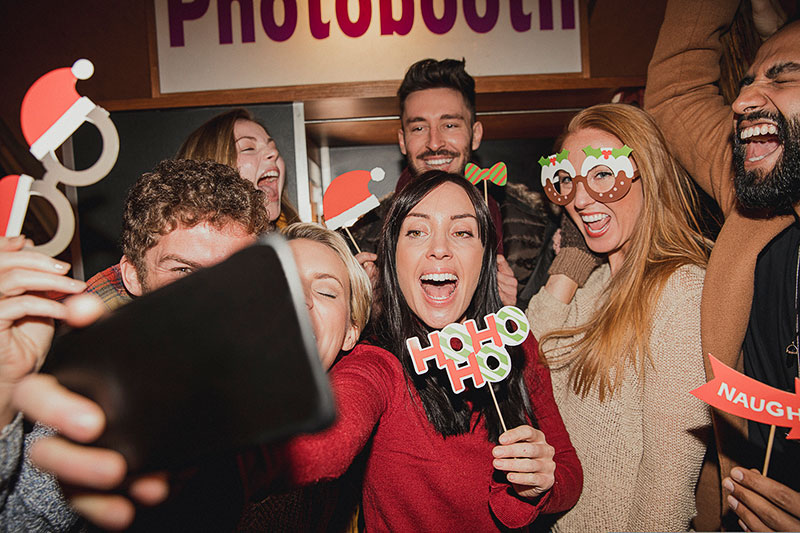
(682, 96)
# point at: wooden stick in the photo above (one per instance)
(485, 192)
(497, 406)
(358, 250)
(769, 450)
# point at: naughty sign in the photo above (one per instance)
(234, 44)
(464, 351)
(745, 397)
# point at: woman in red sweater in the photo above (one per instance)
(436, 459)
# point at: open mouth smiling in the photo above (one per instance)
(438, 287)
(439, 162)
(268, 183)
(760, 140)
(596, 224)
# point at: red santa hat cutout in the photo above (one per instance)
(15, 191)
(52, 109)
(348, 197)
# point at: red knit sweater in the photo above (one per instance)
(417, 480)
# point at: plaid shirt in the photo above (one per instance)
(109, 287)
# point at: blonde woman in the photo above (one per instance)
(236, 139)
(339, 299)
(620, 322)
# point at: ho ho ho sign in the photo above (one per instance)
(235, 44)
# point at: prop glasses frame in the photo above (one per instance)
(617, 192)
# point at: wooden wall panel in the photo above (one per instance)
(40, 35)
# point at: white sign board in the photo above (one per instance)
(237, 44)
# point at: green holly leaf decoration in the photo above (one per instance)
(625, 151)
(589, 151)
(562, 156)
(545, 162)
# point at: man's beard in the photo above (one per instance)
(777, 189)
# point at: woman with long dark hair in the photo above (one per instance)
(435, 459)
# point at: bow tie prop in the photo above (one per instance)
(745, 397)
(497, 174)
(51, 112)
(482, 356)
(347, 198)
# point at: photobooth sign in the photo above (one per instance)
(237, 44)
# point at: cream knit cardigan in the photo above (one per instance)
(642, 449)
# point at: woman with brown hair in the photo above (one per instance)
(236, 139)
(620, 321)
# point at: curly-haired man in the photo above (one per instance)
(182, 216)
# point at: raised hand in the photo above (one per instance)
(85, 472)
(367, 262)
(528, 460)
(27, 313)
(506, 282)
(762, 504)
(768, 17)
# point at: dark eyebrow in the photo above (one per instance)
(454, 217)
(773, 72)
(782, 68)
(442, 117)
(179, 259)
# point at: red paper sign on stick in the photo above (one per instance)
(745, 397)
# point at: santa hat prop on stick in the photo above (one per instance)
(348, 198)
(51, 112)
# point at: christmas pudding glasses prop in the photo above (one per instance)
(51, 112)
(606, 174)
(464, 351)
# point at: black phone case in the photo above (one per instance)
(222, 359)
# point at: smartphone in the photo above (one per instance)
(217, 361)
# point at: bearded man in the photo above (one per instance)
(750, 312)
